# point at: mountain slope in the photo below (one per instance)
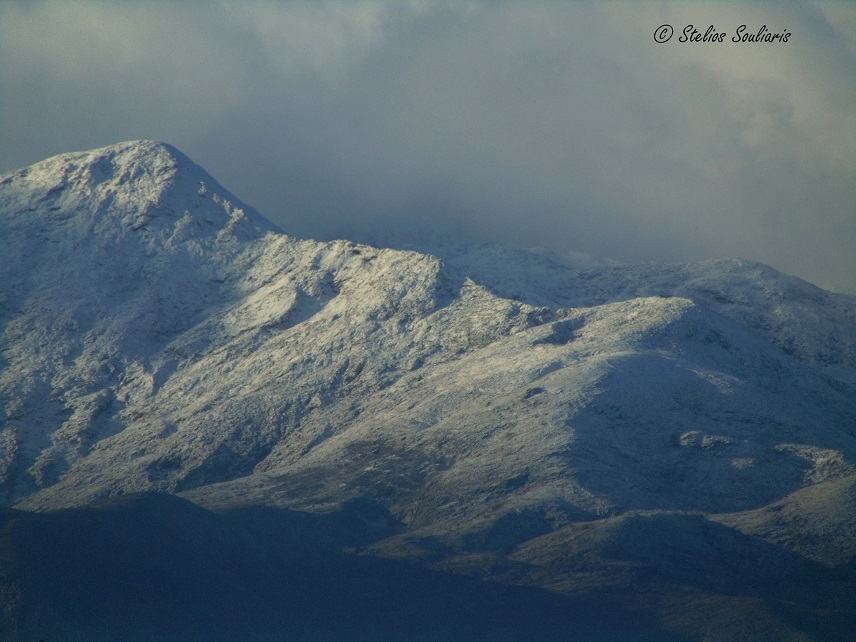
(157, 334)
(139, 568)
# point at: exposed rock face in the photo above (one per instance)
(157, 334)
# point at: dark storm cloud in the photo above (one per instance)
(556, 124)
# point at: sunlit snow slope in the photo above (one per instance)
(157, 334)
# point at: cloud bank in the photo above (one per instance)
(555, 124)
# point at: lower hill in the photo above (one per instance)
(156, 567)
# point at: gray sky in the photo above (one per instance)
(557, 124)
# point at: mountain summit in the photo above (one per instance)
(521, 416)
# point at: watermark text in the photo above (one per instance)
(711, 34)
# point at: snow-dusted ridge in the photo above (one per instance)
(158, 334)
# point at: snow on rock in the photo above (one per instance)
(159, 334)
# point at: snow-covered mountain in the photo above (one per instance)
(518, 412)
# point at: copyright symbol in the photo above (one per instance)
(663, 33)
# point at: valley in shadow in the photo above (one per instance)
(157, 567)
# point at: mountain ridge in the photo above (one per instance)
(159, 335)
(280, 286)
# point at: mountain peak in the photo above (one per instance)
(118, 162)
(127, 187)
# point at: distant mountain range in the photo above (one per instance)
(456, 443)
